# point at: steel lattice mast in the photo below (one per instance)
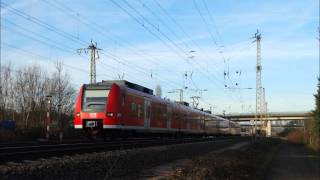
(258, 114)
(93, 57)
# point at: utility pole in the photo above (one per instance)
(59, 103)
(48, 98)
(212, 107)
(257, 37)
(1, 96)
(94, 55)
(318, 54)
(195, 101)
(180, 93)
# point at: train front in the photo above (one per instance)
(95, 107)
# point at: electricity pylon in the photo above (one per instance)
(258, 114)
(94, 55)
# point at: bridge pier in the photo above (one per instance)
(268, 129)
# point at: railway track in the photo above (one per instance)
(33, 152)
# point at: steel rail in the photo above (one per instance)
(18, 154)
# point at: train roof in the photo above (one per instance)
(108, 83)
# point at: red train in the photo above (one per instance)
(122, 108)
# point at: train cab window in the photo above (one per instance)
(95, 100)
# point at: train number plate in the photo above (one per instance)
(91, 124)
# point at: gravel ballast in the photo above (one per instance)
(104, 165)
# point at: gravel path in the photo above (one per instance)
(165, 170)
(240, 161)
(294, 162)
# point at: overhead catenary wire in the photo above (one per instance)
(57, 46)
(49, 43)
(149, 30)
(47, 26)
(43, 24)
(43, 58)
(214, 41)
(118, 57)
(163, 23)
(186, 34)
(129, 65)
(114, 57)
(166, 37)
(213, 22)
(187, 60)
(205, 22)
(103, 31)
(95, 26)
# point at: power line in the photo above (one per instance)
(46, 40)
(206, 23)
(212, 21)
(35, 39)
(118, 57)
(207, 26)
(164, 23)
(42, 58)
(143, 70)
(146, 20)
(63, 48)
(145, 6)
(41, 23)
(97, 27)
(60, 32)
(183, 31)
(145, 27)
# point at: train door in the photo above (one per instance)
(169, 116)
(147, 113)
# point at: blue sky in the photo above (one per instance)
(154, 42)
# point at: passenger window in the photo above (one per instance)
(133, 107)
(139, 111)
(123, 100)
(148, 112)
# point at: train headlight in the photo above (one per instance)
(78, 114)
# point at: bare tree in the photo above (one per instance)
(30, 90)
(6, 103)
(63, 92)
(24, 92)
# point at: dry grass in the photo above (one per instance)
(296, 136)
(7, 136)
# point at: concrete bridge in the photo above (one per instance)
(273, 123)
(272, 116)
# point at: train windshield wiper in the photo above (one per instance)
(95, 103)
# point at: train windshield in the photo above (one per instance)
(95, 100)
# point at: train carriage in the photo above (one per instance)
(121, 107)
